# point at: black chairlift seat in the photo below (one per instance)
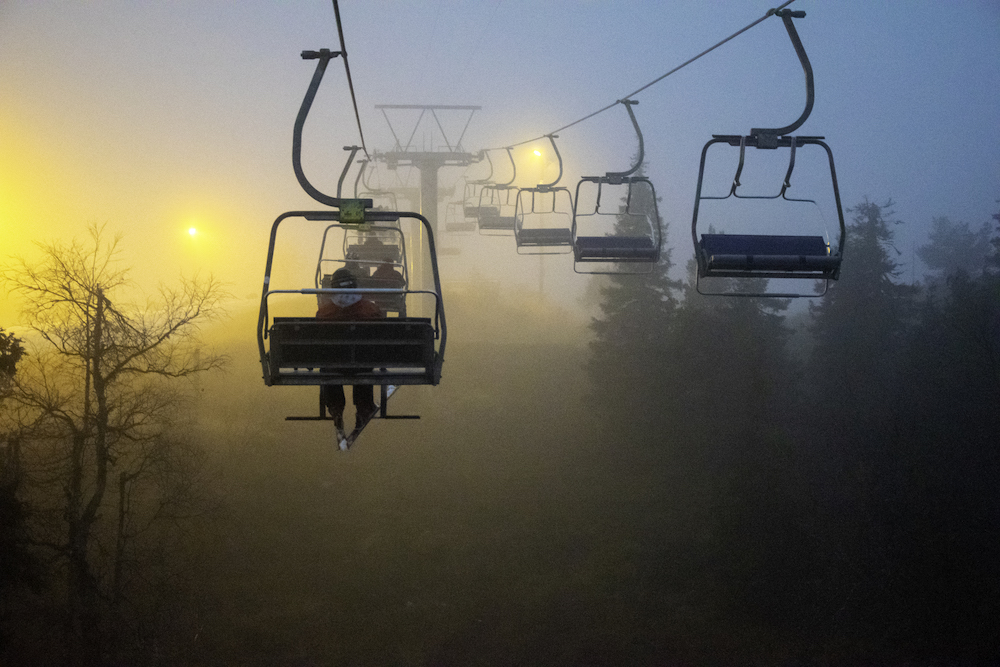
(615, 249)
(472, 213)
(489, 221)
(472, 192)
(479, 212)
(394, 351)
(544, 237)
(619, 248)
(374, 251)
(749, 255)
(459, 227)
(455, 221)
(763, 255)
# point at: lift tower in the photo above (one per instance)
(428, 162)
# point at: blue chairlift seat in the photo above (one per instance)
(543, 224)
(762, 255)
(750, 255)
(634, 230)
(615, 249)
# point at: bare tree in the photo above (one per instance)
(97, 397)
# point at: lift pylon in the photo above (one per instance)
(428, 162)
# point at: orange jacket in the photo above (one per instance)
(364, 309)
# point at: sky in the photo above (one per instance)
(156, 117)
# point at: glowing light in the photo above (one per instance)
(538, 153)
(192, 231)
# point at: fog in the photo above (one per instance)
(612, 470)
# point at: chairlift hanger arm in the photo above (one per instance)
(765, 137)
(622, 174)
(323, 57)
(347, 166)
(364, 165)
(489, 160)
(513, 167)
(552, 140)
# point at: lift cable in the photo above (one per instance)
(347, 69)
(739, 32)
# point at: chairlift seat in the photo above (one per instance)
(496, 222)
(476, 212)
(544, 236)
(459, 227)
(737, 255)
(374, 252)
(310, 351)
(615, 249)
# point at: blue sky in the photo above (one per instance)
(152, 116)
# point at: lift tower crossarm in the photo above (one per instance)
(428, 161)
(433, 108)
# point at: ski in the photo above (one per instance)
(349, 440)
(338, 423)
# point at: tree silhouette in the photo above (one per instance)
(954, 247)
(859, 330)
(636, 313)
(19, 567)
(93, 400)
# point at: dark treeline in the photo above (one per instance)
(711, 481)
(842, 465)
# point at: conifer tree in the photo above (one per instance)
(636, 316)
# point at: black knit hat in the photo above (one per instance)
(343, 279)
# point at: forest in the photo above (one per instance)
(678, 479)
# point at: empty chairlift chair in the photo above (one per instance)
(616, 222)
(382, 200)
(455, 221)
(543, 216)
(497, 204)
(471, 194)
(759, 256)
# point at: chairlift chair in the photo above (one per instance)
(497, 204)
(767, 256)
(472, 191)
(543, 216)
(298, 350)
(631, 228)
(369, 253)
(382, 199)
(455, 221)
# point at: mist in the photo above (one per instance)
(614, 469)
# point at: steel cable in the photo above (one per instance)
(739, 32)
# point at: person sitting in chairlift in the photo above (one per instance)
(387, 276)
(347, 307)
